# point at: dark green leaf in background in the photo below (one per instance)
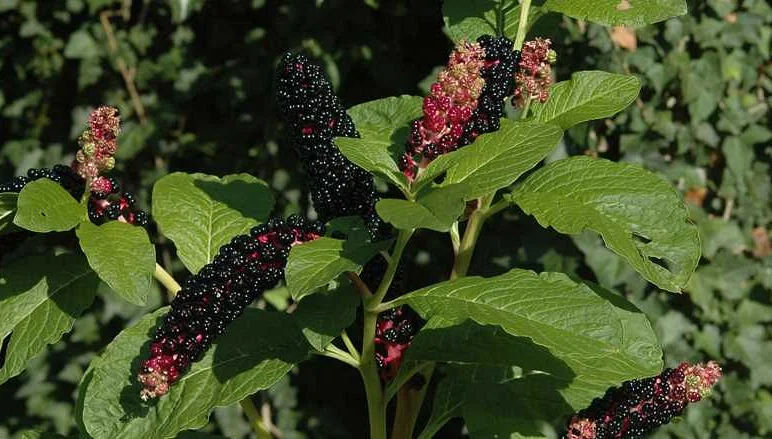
(40, 298)
(323, 316)
(7, 211)
(201, 213)
(468, 20)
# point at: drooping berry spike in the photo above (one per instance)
(98, 144)
(466, 101)
(394, 332)
(108, 203)
(213, 298)
(638, 407)
(314, 117)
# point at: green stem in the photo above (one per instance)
(166, 279)
(402, 239)
(367, 366)
(526, 107)
(255, 420)
(339, 354)
(350, 346)
(500, 19)
(522, 25)
(369, 371)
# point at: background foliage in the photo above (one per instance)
(203, 78)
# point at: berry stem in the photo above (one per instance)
(339, 354)
(360, 286)
(255, 420)
(350, 346)
(402, 240)
(166, 279)
(522, 25)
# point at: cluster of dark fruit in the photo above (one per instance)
(64, 175)
(315, 116)
(501, 63)
(113, 205)
(213, 298)
(394, 332)
(640, 406)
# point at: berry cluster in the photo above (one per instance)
(315, 117)
(467, 100)
(213, 298)
(64, 175)
(108, 203)
(534, 77)
(393, 333)
(640, 406)
(98, 144)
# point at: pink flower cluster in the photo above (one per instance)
(534, 76)
(98, 144)
(450, 104)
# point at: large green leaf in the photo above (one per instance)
(468, 20)
(122, 255)
(393, 113)
(496, 160)
(201, 213)
(588, 95)
(323, 316)
(436, 209)
(619, 12)
(40, 298)
(44, 206)
(7, 211)
(255, 351)
(639, 214)
(585, 338)
(446, 404)
(384, 125)
(314, 264)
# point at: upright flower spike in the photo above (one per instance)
(98, 144)
(466, 101)
(213, 298)
(315, 116)
(639, 407)
(534, 77)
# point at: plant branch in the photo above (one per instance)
(369, 371)
(255, 420)
(402, 240)
(166, 279)
(339, 354)
(360, 285)
(522, 25)
(350, 346)
(126, 73)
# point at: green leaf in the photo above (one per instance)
(384, 125)
(44, 206)
(585, 338)
(7, 211)
(619, 12)
(588, 95)
(436, 209)
(122, 255)
(393, 113)
(496, 160)
(314, 264)
(373, 155)
(468, 20)
(639, 214)
(201, 213)
(40, 298)
(446, 404)
(236, 367)
(323, 316)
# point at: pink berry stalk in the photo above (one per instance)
(98, 144)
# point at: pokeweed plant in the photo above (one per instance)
(521, 354)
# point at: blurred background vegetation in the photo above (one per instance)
(195, 89)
